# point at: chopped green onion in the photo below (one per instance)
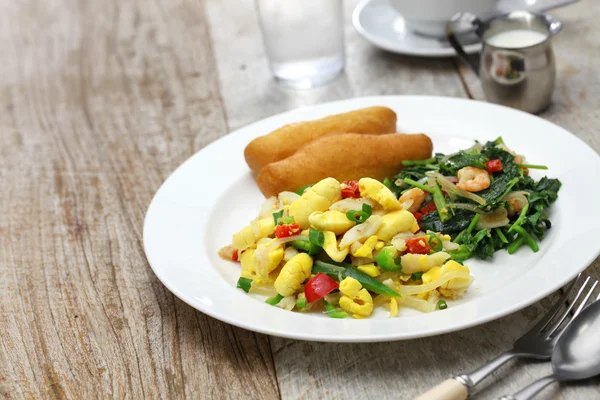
(333, 313)
(461, 236)
(277, 215)
(521, 219)
(388, 260)
(303, 189)
(412, 163)
(360, 216)
(418, 185)
(244, 284)
(286, 220)
(316, 237)
(435, 243)
(442, 305)
(301, 303)
(440, 203)
(387, 183)
(514, 246)
(307, 246)
(342, 270)
(473, 223)
(461, 254)
(501, 235)
(532, 166)
(527, 238)
(274, 300)
(417, 275)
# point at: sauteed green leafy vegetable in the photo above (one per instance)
(488, 200)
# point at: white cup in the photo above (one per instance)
(429, 17)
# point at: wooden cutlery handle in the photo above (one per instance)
(450, 389)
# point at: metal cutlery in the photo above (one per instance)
(576, 355)
(537, 343)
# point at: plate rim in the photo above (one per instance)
(385, 99)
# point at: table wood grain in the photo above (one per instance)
(99, 103)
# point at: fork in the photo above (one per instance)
(537, 343)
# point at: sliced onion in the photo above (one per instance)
(350, 203)
(407, 204)
(380, 300)
(333, 298)
(427, 287)
(269, 207)
(263, 290)
(355, 246)
(449, 246)
(399, 244)
(289, 253)
(262, 255)
(400, 183)
(286, 198)
(405, 235)
(433, 298)
(287, 303)
(255, 228)
(452, 188)
(358, 261)
(493, 219)
(415, 302)
(291, 239)
(362, 231)
(389, 283)
(390, 275)
(519, 196)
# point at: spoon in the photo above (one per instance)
(576, 355)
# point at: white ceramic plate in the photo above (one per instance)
(379, 23)
(213, 195)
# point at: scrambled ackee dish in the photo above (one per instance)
(346, 248)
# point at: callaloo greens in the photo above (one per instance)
(489, 200)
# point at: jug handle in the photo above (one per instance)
(554, 26)
(459, 25)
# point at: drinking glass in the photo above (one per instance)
(304, 40)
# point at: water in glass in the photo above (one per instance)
(304, 40)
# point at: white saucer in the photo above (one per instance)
(379, 23)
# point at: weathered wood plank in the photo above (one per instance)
(384, 370)
(100, 102)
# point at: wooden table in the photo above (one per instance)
(100, 102)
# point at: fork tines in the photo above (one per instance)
(584, 293)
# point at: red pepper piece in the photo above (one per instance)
(350, 189)
(235, 256)
(429, 207)
(418, 216)
(417, 246)
(287, 230)
(493, 166)
(319, 286)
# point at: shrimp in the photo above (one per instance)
(473, 179)
(414, 195)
